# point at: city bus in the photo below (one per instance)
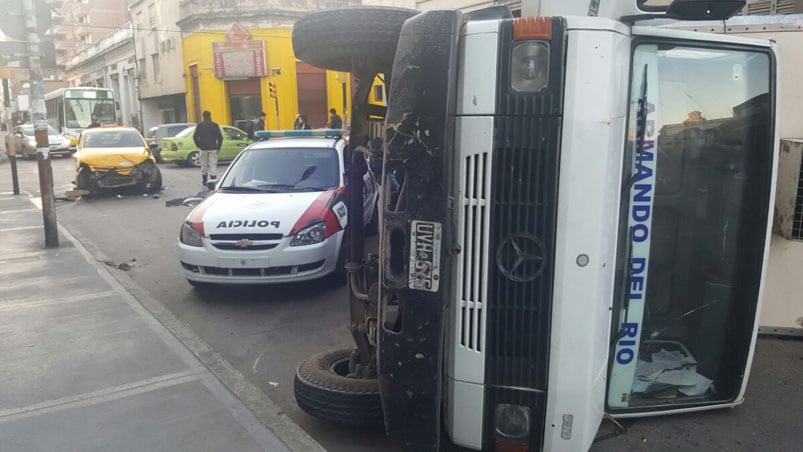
(71, 110)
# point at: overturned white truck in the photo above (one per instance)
(575, 220)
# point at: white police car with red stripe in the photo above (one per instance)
(278, 214)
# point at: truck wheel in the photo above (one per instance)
(323, 390)
(341, 39)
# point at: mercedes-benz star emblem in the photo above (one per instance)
(520, 257)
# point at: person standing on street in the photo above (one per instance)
(335, 121)
(301, 122)
(260, 123)
(208, 138)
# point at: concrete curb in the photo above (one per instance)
(263, 408)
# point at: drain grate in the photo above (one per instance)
(797, 223)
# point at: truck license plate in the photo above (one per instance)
(425, 259)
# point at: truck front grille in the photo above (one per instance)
(474, 262)
(523, 217)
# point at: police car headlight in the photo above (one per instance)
(529, 66)
(310, 235)
(190, 236)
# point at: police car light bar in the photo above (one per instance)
(334, 133)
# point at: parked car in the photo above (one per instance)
(156, 133)
(278, 214)
(182, 150)
(115, 157)
(25, 142)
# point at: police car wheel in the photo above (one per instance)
(341, 39)
(323, 389)
(339, 277)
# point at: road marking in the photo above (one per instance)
(100, 396)
(52, 301)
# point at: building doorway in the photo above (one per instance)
(312, 94)
(196, 92)
(245, 102)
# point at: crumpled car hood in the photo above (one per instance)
(121, 159)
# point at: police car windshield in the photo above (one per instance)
(284, 170)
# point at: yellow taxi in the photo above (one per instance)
(115, 157)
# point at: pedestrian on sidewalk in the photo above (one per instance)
(301, 122)
(208, 138)
(260, 123)
(335, 121)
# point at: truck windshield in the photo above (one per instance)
(694, 218)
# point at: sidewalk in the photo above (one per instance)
(86, 367)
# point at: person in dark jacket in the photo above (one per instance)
(301, 122)
(208, 138)
(260, 123)
(335, 121)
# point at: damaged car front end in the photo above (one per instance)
(112, 158)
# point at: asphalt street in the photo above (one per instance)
(265, 331)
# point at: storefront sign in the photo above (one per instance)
(238, 56)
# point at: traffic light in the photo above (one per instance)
(272, 89)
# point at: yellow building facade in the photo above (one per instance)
(225, 74)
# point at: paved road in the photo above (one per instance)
(264, 332)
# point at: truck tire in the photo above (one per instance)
(323, 390)
(342, 39)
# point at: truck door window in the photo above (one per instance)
(694, 217)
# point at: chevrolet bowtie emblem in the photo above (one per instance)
(243, 243)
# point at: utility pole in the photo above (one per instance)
(39, 117)
(12, 152)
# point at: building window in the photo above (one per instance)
(155, 61)
(167, 116)
(85, 2)
(84, 19)
(141, 74)
(152, 14)
(86, 38)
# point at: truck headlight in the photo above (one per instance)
(190, 235)
(529, 72)
(512, 421)
(310, 235)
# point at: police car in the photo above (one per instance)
(278, 214)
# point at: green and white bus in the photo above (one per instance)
(71, 110)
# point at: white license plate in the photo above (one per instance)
(243, 262)
(425, 258)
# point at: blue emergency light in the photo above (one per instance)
(334, 133)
